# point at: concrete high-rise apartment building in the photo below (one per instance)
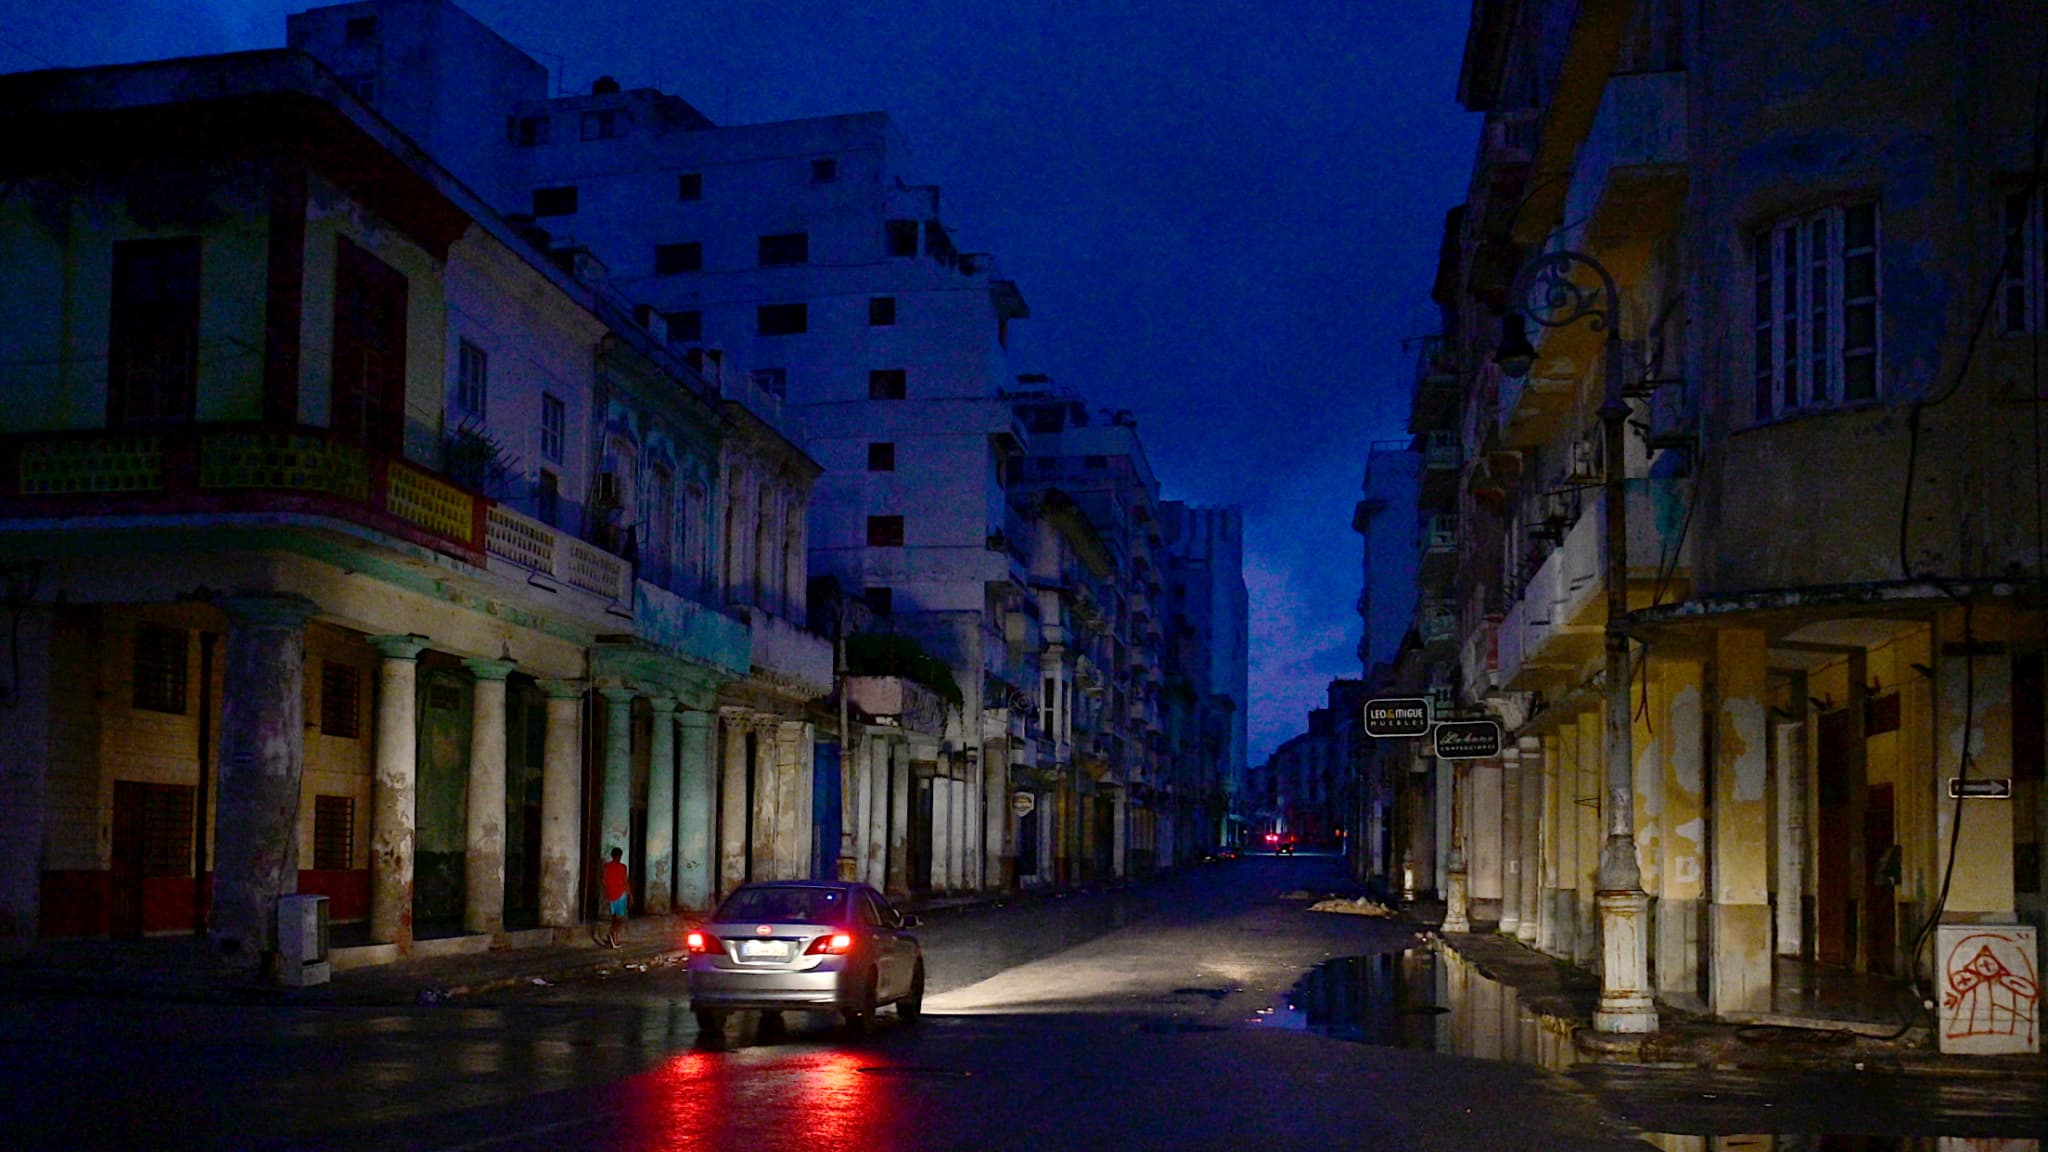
(798, 253)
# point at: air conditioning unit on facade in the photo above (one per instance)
(302, 941)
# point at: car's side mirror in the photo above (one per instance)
(910, 922)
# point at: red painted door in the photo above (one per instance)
(1832, 900)
(124, 887)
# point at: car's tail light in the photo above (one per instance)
(697, 943)
(835, 944)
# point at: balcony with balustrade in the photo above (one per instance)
(1557, 625)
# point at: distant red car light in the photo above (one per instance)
(1272, 837)
(837, 944)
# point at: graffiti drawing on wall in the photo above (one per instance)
(1990, 987)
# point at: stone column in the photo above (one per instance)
(561, 807)
(696, 796)
(262, 761)
(391, 795)
(1531, 749)
(856, 775)
(1681, 879)
(1739, 925)
(661, 805)
(1482, 840)
(1589, 804)
(25, 730)
(732, 808)
(615, 817)
(792, 789)
(1973, 717)
(899, 821)
(1118, 845)
(1559, 750)
(877, 809)
(1789, 759)
(1510, 841)
(483, 856)
(942, 834)
(1455, 911)
(768, 789)
(999, 851)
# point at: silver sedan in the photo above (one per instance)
(813, 946)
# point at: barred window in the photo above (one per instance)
(334, 831)
(166, 830)
(340, 700)
(159, 671)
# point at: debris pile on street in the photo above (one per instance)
(1362, 906)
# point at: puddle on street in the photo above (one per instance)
(1438, 1001)
(1424, 999)
(1840, 1142)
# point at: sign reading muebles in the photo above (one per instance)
(1396, 717)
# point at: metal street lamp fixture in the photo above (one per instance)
(1544, 292)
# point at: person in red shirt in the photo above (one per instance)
(615, 883)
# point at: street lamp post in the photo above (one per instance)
(1545, 293)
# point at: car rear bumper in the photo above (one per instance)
(741, 988)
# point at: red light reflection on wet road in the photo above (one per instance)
(761, 1100)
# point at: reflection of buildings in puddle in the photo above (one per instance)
(1425, 999)
(1666, 1142)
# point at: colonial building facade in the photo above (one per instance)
(1780, 296)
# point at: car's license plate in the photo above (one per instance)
(764, 949)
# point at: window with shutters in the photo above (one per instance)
(340, 700)
(153, 333)
(368, 405)
(472, 379)
(2023, 290)
(554, 423)
(1816, 318)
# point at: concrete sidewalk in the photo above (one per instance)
(1824, 1020)
(182, 968)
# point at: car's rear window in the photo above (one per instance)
(785, 906)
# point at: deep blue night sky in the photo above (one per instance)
(1224, 216)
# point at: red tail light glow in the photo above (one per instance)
(697, 943)
(837, 944)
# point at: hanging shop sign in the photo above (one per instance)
(1467, 739)
(1394, 717)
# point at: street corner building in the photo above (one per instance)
(1727, 503)
(408, 496)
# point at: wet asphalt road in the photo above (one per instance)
(1157, 1016)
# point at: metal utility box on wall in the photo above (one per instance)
(302, 941)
